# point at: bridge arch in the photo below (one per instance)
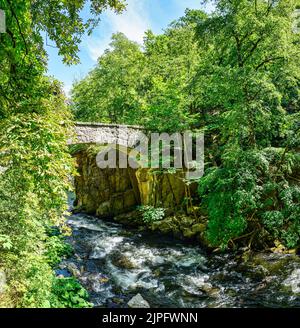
(108, 192)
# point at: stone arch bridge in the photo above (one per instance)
(109, 192)
(102, 133)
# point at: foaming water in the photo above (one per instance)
(115, 263)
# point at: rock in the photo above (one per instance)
(109, 192)
(73, 269)
(184, 220)
(231, 292)
(192, 229)
(103, 208)
(210, 290)
(168, 225)
(106, 192)
(117, 201)
(293, 281)
(198, 228)
(164, 226)
(60, 276)
(2, 282)
(273, 263)
(118, 300)
(126, 233)
(188, 233)
(62, 273)
(202, 238)
(138, 302)
(131, 218)
(129, 199)
(280, 248)
(122, 261)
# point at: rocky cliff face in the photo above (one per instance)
(104, 192)
(109, 192)
(161, 189)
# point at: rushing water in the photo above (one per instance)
(115, 263)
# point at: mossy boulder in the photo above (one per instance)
(122, 261)
(274, 264)
(198, 228)
(165, 226)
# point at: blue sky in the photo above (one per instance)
(139, 16)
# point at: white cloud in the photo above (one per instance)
(133, 23)
(67, 89)
(194, 4)
(96, 46)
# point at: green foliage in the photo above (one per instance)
(69, 293)
(151, 214)
(248, 86)
(235, 74)
(63, 22)
(249, 191)
(35, 124)
(31, 282)
(143, 85)
(110, 93)
(56, 249)
(5, 242)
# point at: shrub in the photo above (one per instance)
(68, 293)
(252, 190)
(151, 214)
(56, 249)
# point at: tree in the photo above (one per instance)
(144, 85)
(112, 91)
(35, 124)
(172, 61)
(249, 84)
(235, 74)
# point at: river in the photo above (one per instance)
(114, 263)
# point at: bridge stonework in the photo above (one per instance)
(111, 192)
(102, 133)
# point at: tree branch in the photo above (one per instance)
(268, 60)
(251, 51)
(19, 26)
